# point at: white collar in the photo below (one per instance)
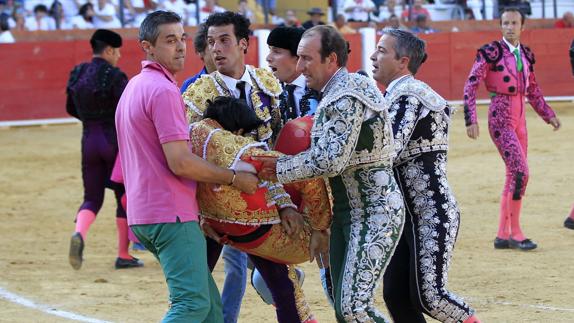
(395, 81)
(299, 81)
(324, 87)
(510, 46)
(231, 83)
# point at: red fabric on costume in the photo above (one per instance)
(294, 138)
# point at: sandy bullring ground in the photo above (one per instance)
(40, 189)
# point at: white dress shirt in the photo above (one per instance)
(231, 84)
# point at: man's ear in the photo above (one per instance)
(146, 46)
(240, 132)
(404, 61)
(332, 58)
(244, 43)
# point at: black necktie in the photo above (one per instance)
(241, 87)
(291, 107)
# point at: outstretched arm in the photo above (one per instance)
(333, 140)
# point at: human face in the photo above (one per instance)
(386, 67)
(316, 72)
(228, 53)
(112, 55)
(283, 64)
(511, 25)
(208, 61)
(316, 18)
(169, 48)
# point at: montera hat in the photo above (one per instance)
(286, 38)
(108, 37)
(315, 11)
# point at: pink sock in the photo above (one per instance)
(123, 241)
(571, 216)
(84, 220)
(503, 221)
(472, 319)
(124, 201)
(514, 207)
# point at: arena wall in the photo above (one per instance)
(35, 73)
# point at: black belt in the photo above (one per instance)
(252, 236)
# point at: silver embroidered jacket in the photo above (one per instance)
(352, 107)
(420, 118)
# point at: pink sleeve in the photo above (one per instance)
(477, 74)
(536, 99)
(168, 114)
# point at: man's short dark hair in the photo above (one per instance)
(240, 23)
(331, 42)
(514, 9)
(149, 29)
(84, 8)
(408, 45)
(232, 114)
(200, 39)
(40, 8)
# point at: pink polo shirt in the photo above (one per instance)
(150, 113)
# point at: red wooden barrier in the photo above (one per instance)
(34, 77)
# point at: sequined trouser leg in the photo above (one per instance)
(416, 280)
(367, 222)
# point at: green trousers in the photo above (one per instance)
(181, 251)
(368, 217)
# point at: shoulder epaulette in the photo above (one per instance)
(203, 89)
(492, 52)
(265, 80)
(420, 90)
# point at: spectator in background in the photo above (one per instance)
(40, 20)
(4, 9)
(387, 11)
(190, 18)
(5, 34)
(394, 22)
(290, 19)
(358, 10)
(18, 20)
(421, 26)
(85, 17)
(57, 13)
(567, 21)
(70, 7)
(342, 26)
(177, 6)
(209, 8)
(243, 9)
(315, 14)
(276, 20)
(105, 15)
(409, 14)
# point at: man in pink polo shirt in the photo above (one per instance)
(160, 172)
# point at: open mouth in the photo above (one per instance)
(219, 59)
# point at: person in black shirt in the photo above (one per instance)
(93, 92)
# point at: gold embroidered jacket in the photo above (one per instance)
(264, 96)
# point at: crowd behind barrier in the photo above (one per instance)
(44, 15)
(35, 73)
